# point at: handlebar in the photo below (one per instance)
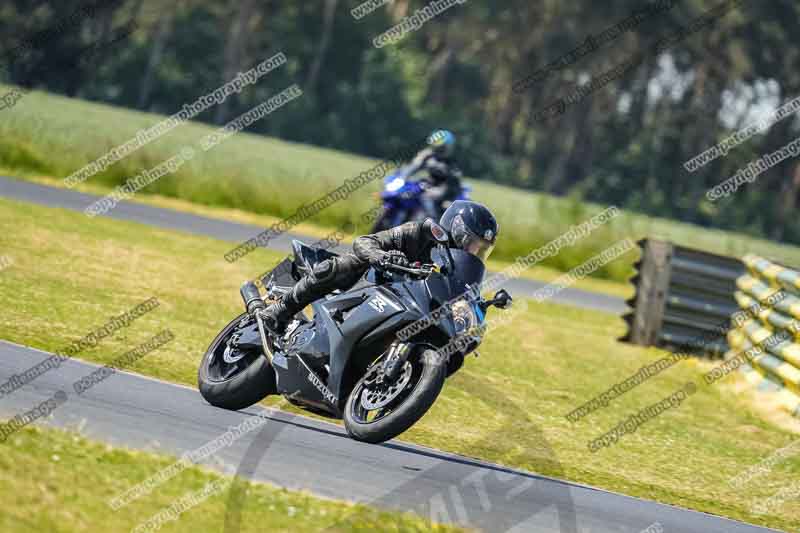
(424, 270)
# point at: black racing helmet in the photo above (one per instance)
(472, 227)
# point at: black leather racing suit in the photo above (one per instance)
(414, 239)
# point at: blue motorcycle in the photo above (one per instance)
(402, 201)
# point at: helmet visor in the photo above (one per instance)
(467, 240)
(444, 150)
(477, 246)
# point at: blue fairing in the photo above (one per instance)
(401, 195)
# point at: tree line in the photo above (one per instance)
(635, 89)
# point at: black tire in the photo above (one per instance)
(412, 407)
(243, 389)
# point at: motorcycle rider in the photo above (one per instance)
(469, 225)
(442, 179)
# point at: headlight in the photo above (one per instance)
(466, 316)
(395, 185)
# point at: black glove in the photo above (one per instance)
(395, 257)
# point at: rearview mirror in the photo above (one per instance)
(501, 300)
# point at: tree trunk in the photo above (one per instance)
(160, 37)
(574, 166)
(437, 77)
(324, 44)
(234, 51)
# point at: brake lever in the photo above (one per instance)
(424, 270)
(429, 269)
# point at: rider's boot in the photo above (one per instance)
(327, 276)
(278, 315)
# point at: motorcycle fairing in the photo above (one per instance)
(357, 326)
(378, 305)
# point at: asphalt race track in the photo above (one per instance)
(297, 452)
(237, 233)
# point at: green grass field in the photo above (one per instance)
(58, 482)
(47, 135)
(70, 274)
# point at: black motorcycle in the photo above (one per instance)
(349, 361)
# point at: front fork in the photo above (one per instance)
(255, 304)
(394, 362)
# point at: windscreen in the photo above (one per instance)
(467, 269)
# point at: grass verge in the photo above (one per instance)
(57, 481)
(69, 274)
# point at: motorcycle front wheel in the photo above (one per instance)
(234, 379)
(377, 412)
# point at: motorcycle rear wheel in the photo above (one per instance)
(235, 385)
(428, 373)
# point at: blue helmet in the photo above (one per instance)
(443, 142)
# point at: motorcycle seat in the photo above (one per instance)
(305, 257)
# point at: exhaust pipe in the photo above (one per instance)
(251, 297)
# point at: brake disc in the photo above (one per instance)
(232, 353)
(382, 394)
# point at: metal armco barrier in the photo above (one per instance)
(767, 340)
(684, 298)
